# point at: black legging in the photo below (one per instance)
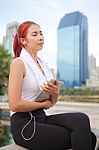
(53, 132)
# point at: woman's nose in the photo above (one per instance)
(41, 37)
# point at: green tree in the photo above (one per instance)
(5, 59)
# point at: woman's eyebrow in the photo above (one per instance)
(36, 32)
(33, 32)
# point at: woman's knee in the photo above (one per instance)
(83, 120)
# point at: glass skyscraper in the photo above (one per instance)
(72, 49)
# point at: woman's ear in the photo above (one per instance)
(23, 41)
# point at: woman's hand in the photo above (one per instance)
(51, 89)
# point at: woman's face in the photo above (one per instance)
(34, 38)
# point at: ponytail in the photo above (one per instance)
(16, 46)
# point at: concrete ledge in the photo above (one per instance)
(12, 147)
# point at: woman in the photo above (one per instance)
(31, 91)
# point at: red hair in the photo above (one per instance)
(21, 33)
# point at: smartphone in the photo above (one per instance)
(53, 81)
(61, 83)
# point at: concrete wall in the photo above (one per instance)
(12, 147)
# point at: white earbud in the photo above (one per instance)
(25, 42)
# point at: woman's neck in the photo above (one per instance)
(32, 53)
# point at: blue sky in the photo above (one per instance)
(48, 13)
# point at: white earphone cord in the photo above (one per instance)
(27, 139)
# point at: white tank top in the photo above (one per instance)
(34, 77)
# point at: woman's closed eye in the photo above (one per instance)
(36, 33)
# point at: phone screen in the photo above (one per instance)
(52, 81)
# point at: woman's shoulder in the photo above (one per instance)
(17, 66)
(17, 62)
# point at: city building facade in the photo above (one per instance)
(93, 80)
(92, 66)
(11, 30)
(72, 49)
